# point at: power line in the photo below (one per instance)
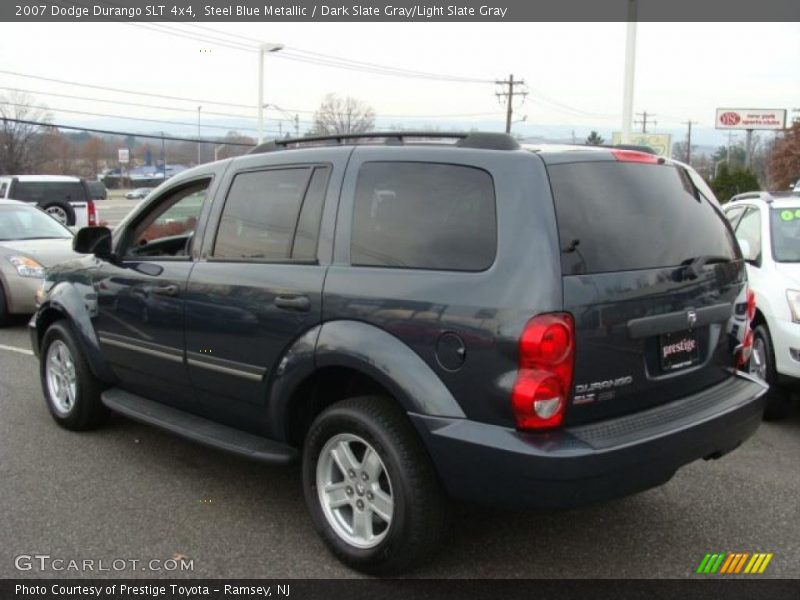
(206, 101)
(123, 91)
(127, 133)
(93, 114)
(110, 101)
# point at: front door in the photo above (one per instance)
(257, 288)
(140, 319)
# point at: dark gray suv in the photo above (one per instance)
(416, 318)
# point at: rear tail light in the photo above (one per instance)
(744, 349)
(636, 156)
(92, 213)
(544, 378)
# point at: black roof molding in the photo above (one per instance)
(479, 140)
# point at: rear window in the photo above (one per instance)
(785, 224)
(424, 216)
(40, 191)
(616, 216)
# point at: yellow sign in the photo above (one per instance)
(661, 143)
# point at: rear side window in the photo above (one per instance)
(272, 215)
(424, 216)
(615, 216)
(49, 191)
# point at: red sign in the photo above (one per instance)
(751, 118)
(730, 118)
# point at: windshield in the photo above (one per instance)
(785, 225)
(26, 223)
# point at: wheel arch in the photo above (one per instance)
(341, 359)
(64, 303)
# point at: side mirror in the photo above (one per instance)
(93, 240)
(745, 247)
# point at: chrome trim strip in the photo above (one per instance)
(227, 370)
(135, 348)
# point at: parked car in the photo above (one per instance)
(416, 319)
(66, 199)
(138, 193)
(767, 226)
(97, 190)
(30, 241)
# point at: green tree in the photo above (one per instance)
(728, 183)
(594, 139)
(737, 155)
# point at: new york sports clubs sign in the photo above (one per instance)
(751, 118)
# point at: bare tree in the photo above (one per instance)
(93, 150)
(342, 115)
(21, 148)
(784, 161)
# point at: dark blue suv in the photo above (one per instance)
(416, 318)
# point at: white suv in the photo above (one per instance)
(767, 226)
(66, 199)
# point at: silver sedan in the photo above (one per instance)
(30, 241)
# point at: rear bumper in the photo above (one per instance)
(592, 463)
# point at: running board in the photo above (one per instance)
(197, 428)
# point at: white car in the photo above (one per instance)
(767, 226)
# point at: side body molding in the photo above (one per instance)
(76, 301)
(389, 361)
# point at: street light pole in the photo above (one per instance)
(630, 67)
(261, 50)
(199, 108)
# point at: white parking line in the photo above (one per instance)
(16, 349)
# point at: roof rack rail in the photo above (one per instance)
(479, 139)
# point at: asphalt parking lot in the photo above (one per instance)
(115, 207)
(131, 492)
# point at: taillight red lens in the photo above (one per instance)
(635, 156)
(92, 213)
(751, 306)
(744, 349)
(544, 378)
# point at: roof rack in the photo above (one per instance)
(479, 139)
(765, 196)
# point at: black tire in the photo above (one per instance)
(419, 518)
(778, 399)
(3, 308)
(62, 208)
(86, 411)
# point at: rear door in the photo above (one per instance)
(650, 273)
(258, 285)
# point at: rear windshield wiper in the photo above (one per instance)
(694, 265)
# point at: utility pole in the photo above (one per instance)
(630, 68)
(296, 125)
(728, 155)
(510, 82)
(689, 141)
(643, 120)
(199, 108)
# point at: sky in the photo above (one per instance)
(573, 72)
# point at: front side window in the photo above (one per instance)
(424, 216)
(168, 229)
(785, 225)
(272, 215)
(749, 230)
